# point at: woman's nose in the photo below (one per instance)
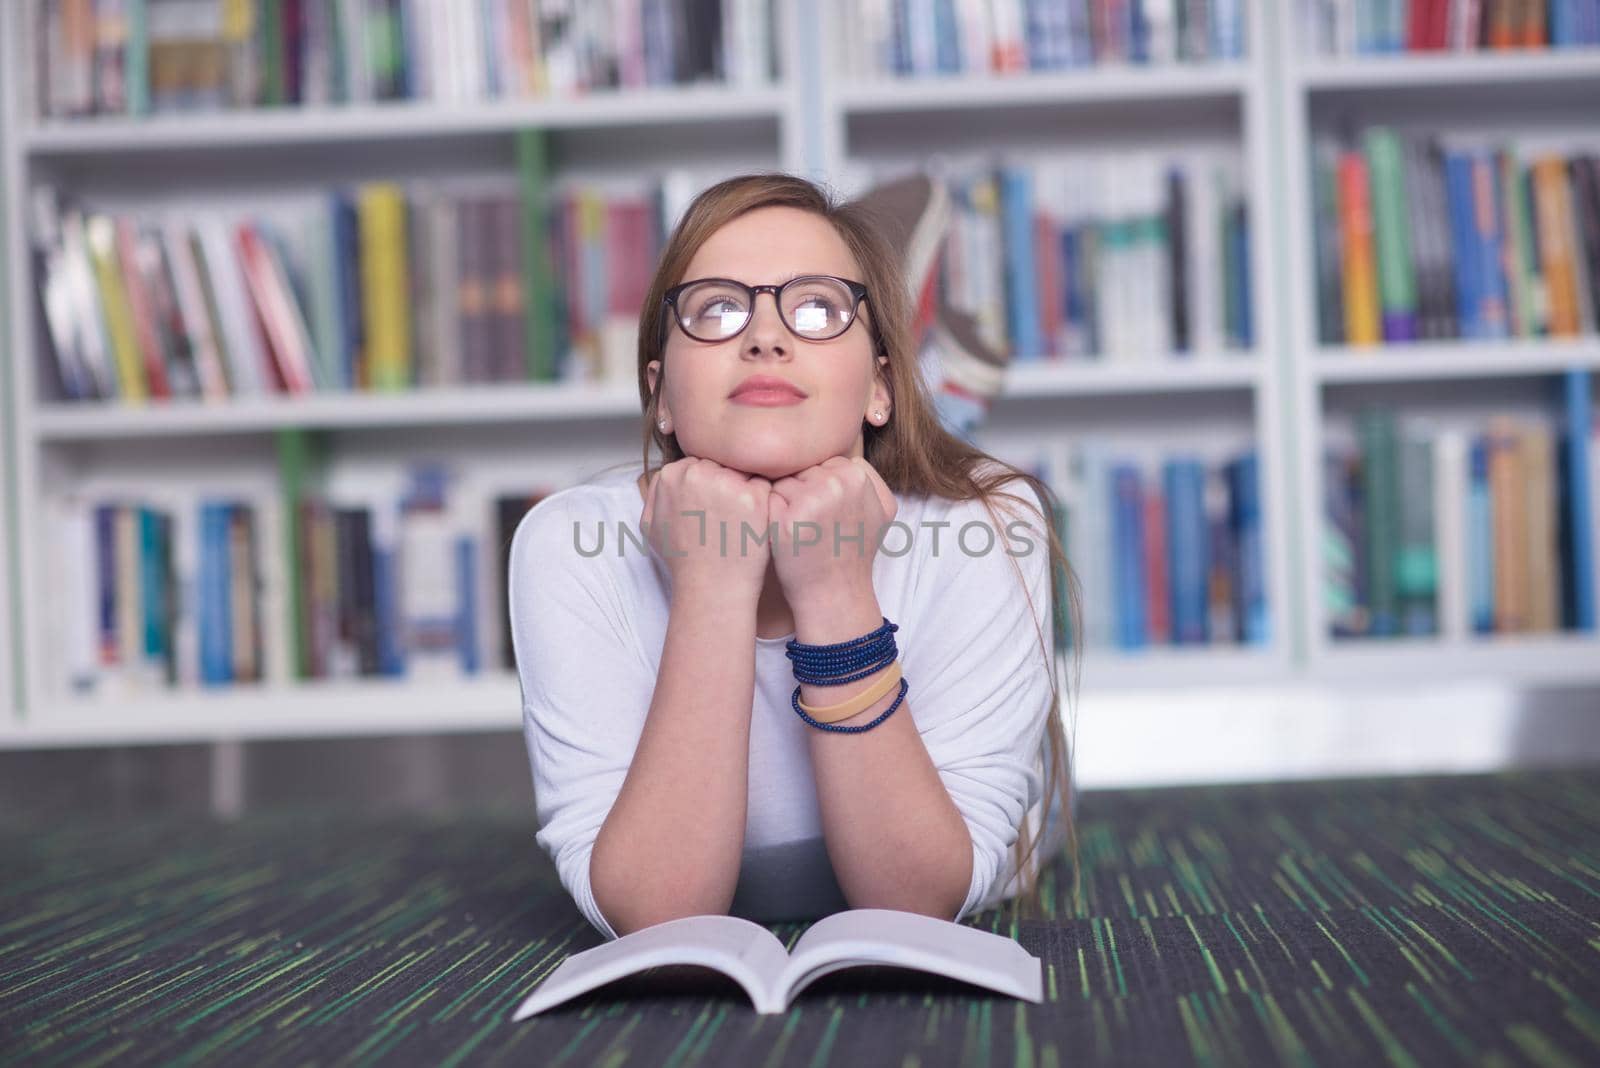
(766, 332)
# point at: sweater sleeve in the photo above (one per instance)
(585, 692)
(978, 673)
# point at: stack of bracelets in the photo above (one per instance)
(842, 662)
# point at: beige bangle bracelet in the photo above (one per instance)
(863, 700)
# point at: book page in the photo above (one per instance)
(746, 952)
(910, 940)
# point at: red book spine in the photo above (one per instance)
(139, 304)
(1047, 262)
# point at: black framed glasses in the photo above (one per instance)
(815, 307)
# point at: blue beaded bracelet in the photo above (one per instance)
(798, 647)
(874, 649)
(901, 696)
(839, 680)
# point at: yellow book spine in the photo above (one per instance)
(101, 238)
(384, 298)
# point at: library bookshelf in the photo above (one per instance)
(1528, 97)
(819, 120)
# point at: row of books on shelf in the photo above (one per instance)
(403, 573)
(1419, 239)
(390, 286)
(201, 589)
(1456, 531)
(155, 596)
(376, 287)
(1102, 258)
(896, 38)
(1370, 27)
(137, 57)
(1167, 549)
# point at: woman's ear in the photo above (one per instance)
(652, 372)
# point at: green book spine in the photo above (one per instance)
(271, 30)
(1397, 282)
(338, 53)
(137, 65)
(1416, 569)
(297, 457)
(1517, 266)
(538, 281)
(1519, 188)
(1380, 493)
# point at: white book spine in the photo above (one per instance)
(73, 657)
(1450, 532)
(186, 575)
(922, 39)
(975, 36)
(86, 298)
(247, 361)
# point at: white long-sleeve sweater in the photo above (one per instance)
(588, 632)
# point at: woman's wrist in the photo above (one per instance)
(835, 616)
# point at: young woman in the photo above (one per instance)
(808, 661)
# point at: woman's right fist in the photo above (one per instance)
(708, 523)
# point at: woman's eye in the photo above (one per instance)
(706, 309)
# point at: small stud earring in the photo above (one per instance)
(662, 424)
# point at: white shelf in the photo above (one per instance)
(1098, 85)
(521, 402)
(1455, 360)
(1367, 74)
(1161, 374)
(1180, 667)
(1564, 658)
(398, 121)
(460, 405)
(321, 709)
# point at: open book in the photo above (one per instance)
(753, 956)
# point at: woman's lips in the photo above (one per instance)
(767, 398)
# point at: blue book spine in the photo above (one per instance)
(1138, 30)
(152, 585)
(1480, 539)
(1244, 487)
(347, 268)
(467, 604)
(1227, 30)
(1493, 298)
(1071, 293)
(1580, 417)
(946, 44)
(105, 545)
(1022, 295)
(1463, 234)
(1128, 555)
(391, 650)
(1239, 234)
(1560, 23)
(1183, 484)
(216, 616)
(1080, 38)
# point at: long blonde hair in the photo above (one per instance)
(914, 452)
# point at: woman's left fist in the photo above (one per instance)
(830, 520)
